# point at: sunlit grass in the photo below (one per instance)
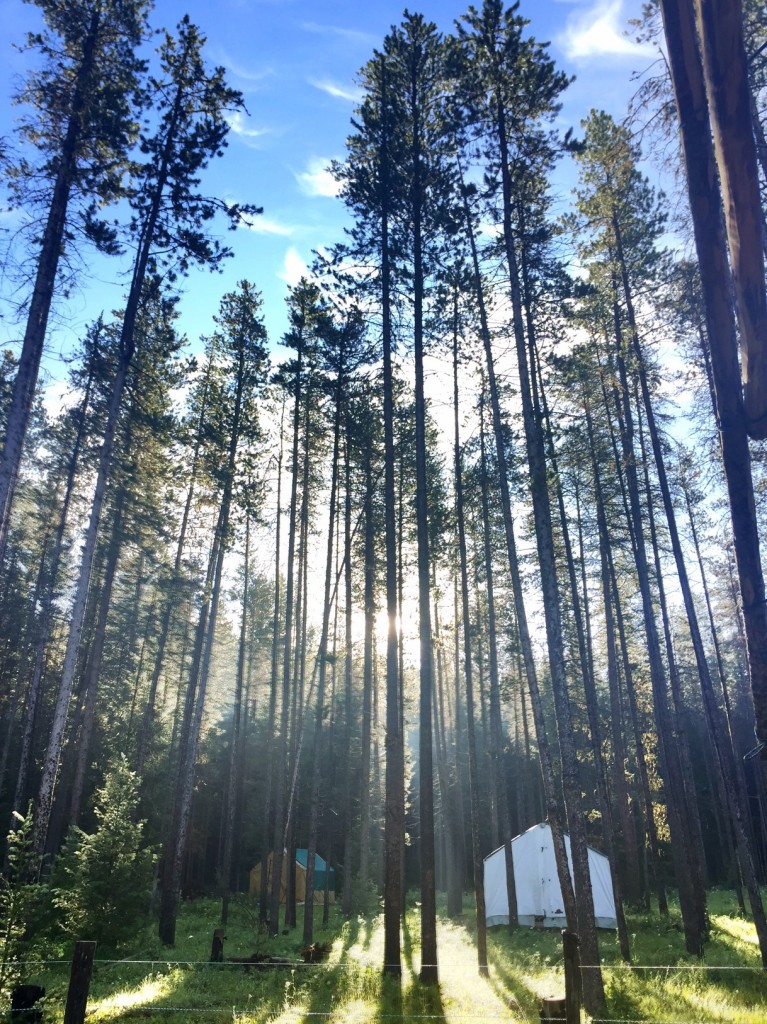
(349, 988)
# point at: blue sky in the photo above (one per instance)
(295, 62)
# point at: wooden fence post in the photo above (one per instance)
(79, 982)
(573, 986)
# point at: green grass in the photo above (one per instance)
(350, 989)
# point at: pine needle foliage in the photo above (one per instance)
(102, 880)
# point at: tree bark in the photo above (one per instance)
(711, 247)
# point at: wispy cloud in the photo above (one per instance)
(250, 134)
(265, 226)
(598, 32)
(352, 35)
(250, 75)
(293, 268)
(339, 92)
(317, 180)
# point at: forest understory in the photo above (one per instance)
(150, 982)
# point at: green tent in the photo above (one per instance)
(320, 867)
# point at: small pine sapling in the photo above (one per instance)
(102, 880)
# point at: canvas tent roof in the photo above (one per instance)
(302, 856)
(539, 895)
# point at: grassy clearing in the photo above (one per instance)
(174, 986)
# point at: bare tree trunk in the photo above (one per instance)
(268, 830)
(235, 744)
(147, 721)
(364, 791)
(51, 246)
(394, 825)
(499, 793)
(732, 419)
(593, 991)
(282, 748)
(367, 677)
(474, 802)
(314, 800)
(584, 651)
(692, 900)
(725, 73)
(717, 722)
(551, 790)
(620, 789)
(93, 667)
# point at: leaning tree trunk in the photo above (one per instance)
(711, 247)
(125, 356)
(620, 789)
(95, 657)
(51, 247)
(47, 603)
(589, 685)
(717, 722)
(692, 900)
(593, 991)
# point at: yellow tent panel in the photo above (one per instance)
(254, 887)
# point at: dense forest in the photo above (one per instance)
(479, 550)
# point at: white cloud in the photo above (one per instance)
(252, 77)
(598, 32)
(317, 180)
(293, 268)
(241, 127)
(265, 226)
(352, 35)
(339, 92)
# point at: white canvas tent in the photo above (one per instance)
(539, 895)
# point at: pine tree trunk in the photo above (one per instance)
(314, 799)
(367, 676)
(235, 744)
(593, 992)
(589, 685)
(93, 667)
(499, 793)
(620, 789)
(51, 247)
(716, 720)
(282, 747)
(394, 810)
(692, 900)
(711, 247)
(364, 793)
(474, 801)
(271, 765)
(147, 721)
(175, 846)
(551, 790)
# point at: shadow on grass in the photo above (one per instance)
(407, 946)
(508, 953)
(177, 992)
(414, 1002)
(355, 930)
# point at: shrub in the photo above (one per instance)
(23, 901)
